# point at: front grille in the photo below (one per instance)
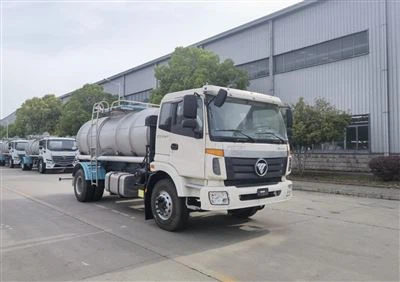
(63, 160)
(241, 171)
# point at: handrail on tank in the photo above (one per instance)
(100, 107)
(119, 103)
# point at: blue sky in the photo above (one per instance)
(57, 46)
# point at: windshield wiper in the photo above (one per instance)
(273, 134)
(251, 139)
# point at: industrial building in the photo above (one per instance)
(344, 51)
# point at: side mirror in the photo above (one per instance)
(189, 107)
(289, 118)
(221, 97)
(189, 123)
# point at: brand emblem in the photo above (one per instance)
(261, 167)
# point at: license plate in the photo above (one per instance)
(262, 192)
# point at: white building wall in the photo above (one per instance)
(358, 84)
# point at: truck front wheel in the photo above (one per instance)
(169, 211)
(243, 213)
(82, 188)
(41, 167)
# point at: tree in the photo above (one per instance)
(193, 67)
(37, 115)
(78, 109)
(315, 124)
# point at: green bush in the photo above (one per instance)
(386, 168)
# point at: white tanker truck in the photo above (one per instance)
(49, 153)
(211, 148)
(12, 152)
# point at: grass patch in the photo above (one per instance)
(343, 178)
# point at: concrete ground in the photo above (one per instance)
(47, 235)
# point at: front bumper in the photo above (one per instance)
(245, 197)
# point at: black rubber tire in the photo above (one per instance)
(29, 167)
(23, 166)
(2, 163)
(179, 217)
(12, 163)
(243, 213)
(41, 167)
(98, 191)
(86, 190)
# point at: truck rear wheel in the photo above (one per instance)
(98, 191)
(82, 188)
(243, 213)
(169, 211)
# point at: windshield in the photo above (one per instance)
(241, 120)
(20, 146)
(61, 145)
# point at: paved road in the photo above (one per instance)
(48, 235)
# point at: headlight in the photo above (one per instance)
(218, 197)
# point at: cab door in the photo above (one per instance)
(187, 145)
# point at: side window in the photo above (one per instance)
(177, 127)
(165, 117)
(41, 143)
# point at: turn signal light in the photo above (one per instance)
(215, 152)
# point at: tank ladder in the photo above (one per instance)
(98, 108)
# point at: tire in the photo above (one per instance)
(98, 191)
(23, 166)
(169, 211)
(11, 163)
(243, 213)
(41, 167)
(82, 188)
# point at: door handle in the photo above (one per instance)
(174, 146)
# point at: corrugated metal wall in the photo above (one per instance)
(357, 84)
(394, 72)
(112, 87)
(140, 80)
(246, 46)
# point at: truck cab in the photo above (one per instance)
(56, 153)
(16, 151)
(224, 149)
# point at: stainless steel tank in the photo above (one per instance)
(32, 148)
(4, 147)
(119, 135)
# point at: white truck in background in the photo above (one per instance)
(211, 148)
(13, 151)
(49, 153)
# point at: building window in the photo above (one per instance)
(143, 96)
(357, 133)
(349, 46)
(256, 69)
